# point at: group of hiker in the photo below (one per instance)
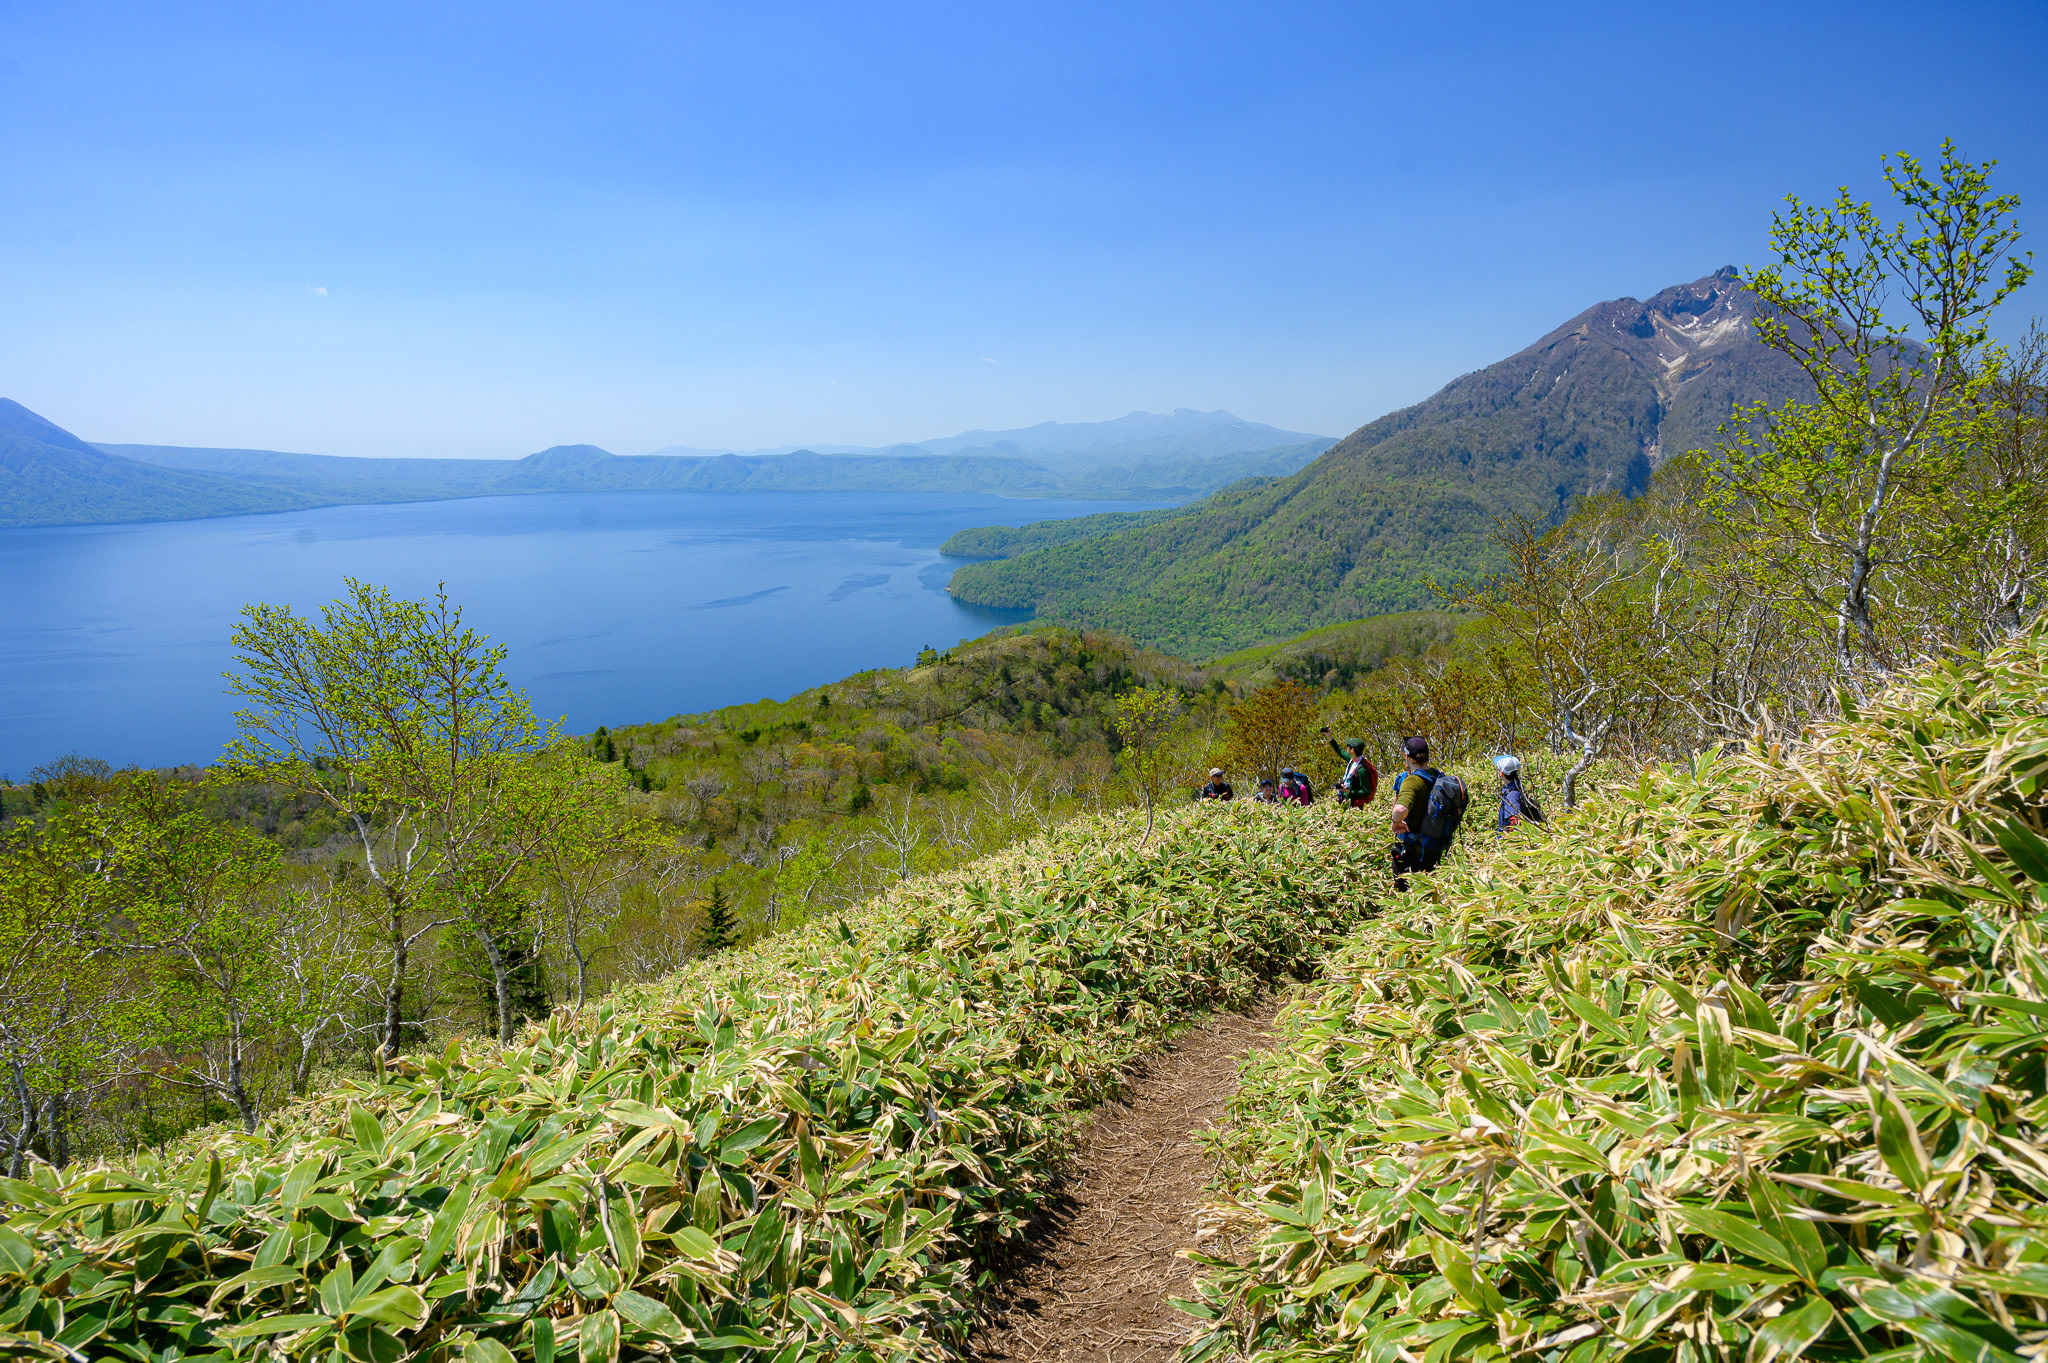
(1293, 788)
(1428, 804)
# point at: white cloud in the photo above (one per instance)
(320, 289)
(986, 360)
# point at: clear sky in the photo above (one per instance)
(450, 229)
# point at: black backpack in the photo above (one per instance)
(1447, 800)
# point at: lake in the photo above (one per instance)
(616, 607)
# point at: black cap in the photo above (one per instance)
(1416, 747)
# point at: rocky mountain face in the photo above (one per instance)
(1594, 406)
(1695, 344)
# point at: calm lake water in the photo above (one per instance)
(616, 607)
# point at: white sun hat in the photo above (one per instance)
(1508, 764)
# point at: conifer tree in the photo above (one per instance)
(719, 930)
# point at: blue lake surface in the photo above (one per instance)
(616, 607)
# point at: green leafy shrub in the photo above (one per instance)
(1752, 1063)
(797, 1151)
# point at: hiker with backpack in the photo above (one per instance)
(1217, 789)
(1361, 779)
(1266, 794)
(1516, 805)
(1295, 788)
(1428, 807)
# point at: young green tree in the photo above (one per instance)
(799, 866)
(1851, 504)
(400, 718)
(197, 902)
(1146, 722)
(60, 982)
(600, 842)
(326, 960)
(2000, 581)
(73, 776)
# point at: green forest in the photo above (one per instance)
(414, 1028)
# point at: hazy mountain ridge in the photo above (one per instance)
(52, 477)
(467, 475)
(1181, 433)
(1592, 406)
(49, 476)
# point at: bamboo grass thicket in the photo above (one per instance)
(803, 1150)
(1750, 1062)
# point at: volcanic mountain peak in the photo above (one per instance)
(1666, 335)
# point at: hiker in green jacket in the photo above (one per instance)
(1361, 779)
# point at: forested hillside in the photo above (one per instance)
(687, 835)
(1594, 406)
(49, 476)
(1338, 657)
(1006, 541)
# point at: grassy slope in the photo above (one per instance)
(804, 1150)
(1753, 1056)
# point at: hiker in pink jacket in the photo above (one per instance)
(1295, 788)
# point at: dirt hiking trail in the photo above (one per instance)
(1093, 1284)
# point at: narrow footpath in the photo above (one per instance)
(1093, 1286)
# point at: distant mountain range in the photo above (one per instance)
(50, 477)
(1181, 433)
(1594, 406)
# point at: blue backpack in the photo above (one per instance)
(1439, 825)
(1517, 806)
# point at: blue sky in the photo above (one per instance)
(484, 229)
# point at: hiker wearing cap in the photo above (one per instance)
(1361, 779)
(1266, 794)
(1217, 789)
(1516, 805)
(1295, 788)
(1433, 803)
